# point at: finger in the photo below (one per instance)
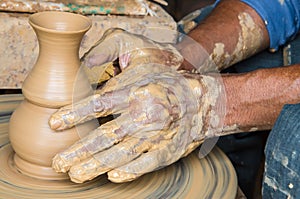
(150, 55)
(98, 140)
(146, 163)
(106, 49)
(163, 151)
(102, 162)
(98, 105)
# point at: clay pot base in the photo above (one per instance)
(210, 177)
(189, 178)
(8, 103)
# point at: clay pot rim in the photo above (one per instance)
(36, 25)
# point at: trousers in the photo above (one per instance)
(282, 166)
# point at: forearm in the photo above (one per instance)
(231, 33)
(255, 99)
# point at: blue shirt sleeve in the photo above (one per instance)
(281, 17)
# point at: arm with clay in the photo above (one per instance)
(236, 30)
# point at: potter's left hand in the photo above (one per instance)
(161, 116)
(130, 49)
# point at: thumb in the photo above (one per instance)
(106, 49)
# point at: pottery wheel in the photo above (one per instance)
(191, 177)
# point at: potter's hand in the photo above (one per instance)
(130, 49)
(161, 116)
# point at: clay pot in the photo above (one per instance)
(49, 86)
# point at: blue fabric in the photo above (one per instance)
(282, 18)
(295, 46)
(282, 168)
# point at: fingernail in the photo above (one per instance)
(77, 176)
(118, 176)
(55, 123)
(59, 165)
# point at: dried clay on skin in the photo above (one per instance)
(248, 40)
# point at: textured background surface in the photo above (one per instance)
(19, 47)
(132, 7)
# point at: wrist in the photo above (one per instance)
(255, 99)
(243, 104)
(211, 98)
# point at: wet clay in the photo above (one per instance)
(35, 143)
(49, 86)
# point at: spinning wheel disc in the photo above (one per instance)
(191, 177)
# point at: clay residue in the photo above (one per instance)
(249, 38)
(212, 115)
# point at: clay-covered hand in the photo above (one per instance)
(160, 114)
(130, 49)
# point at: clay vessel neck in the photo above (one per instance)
(58, 52)
(51, 81)
(59, 38)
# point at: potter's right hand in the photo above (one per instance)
(130, 50)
